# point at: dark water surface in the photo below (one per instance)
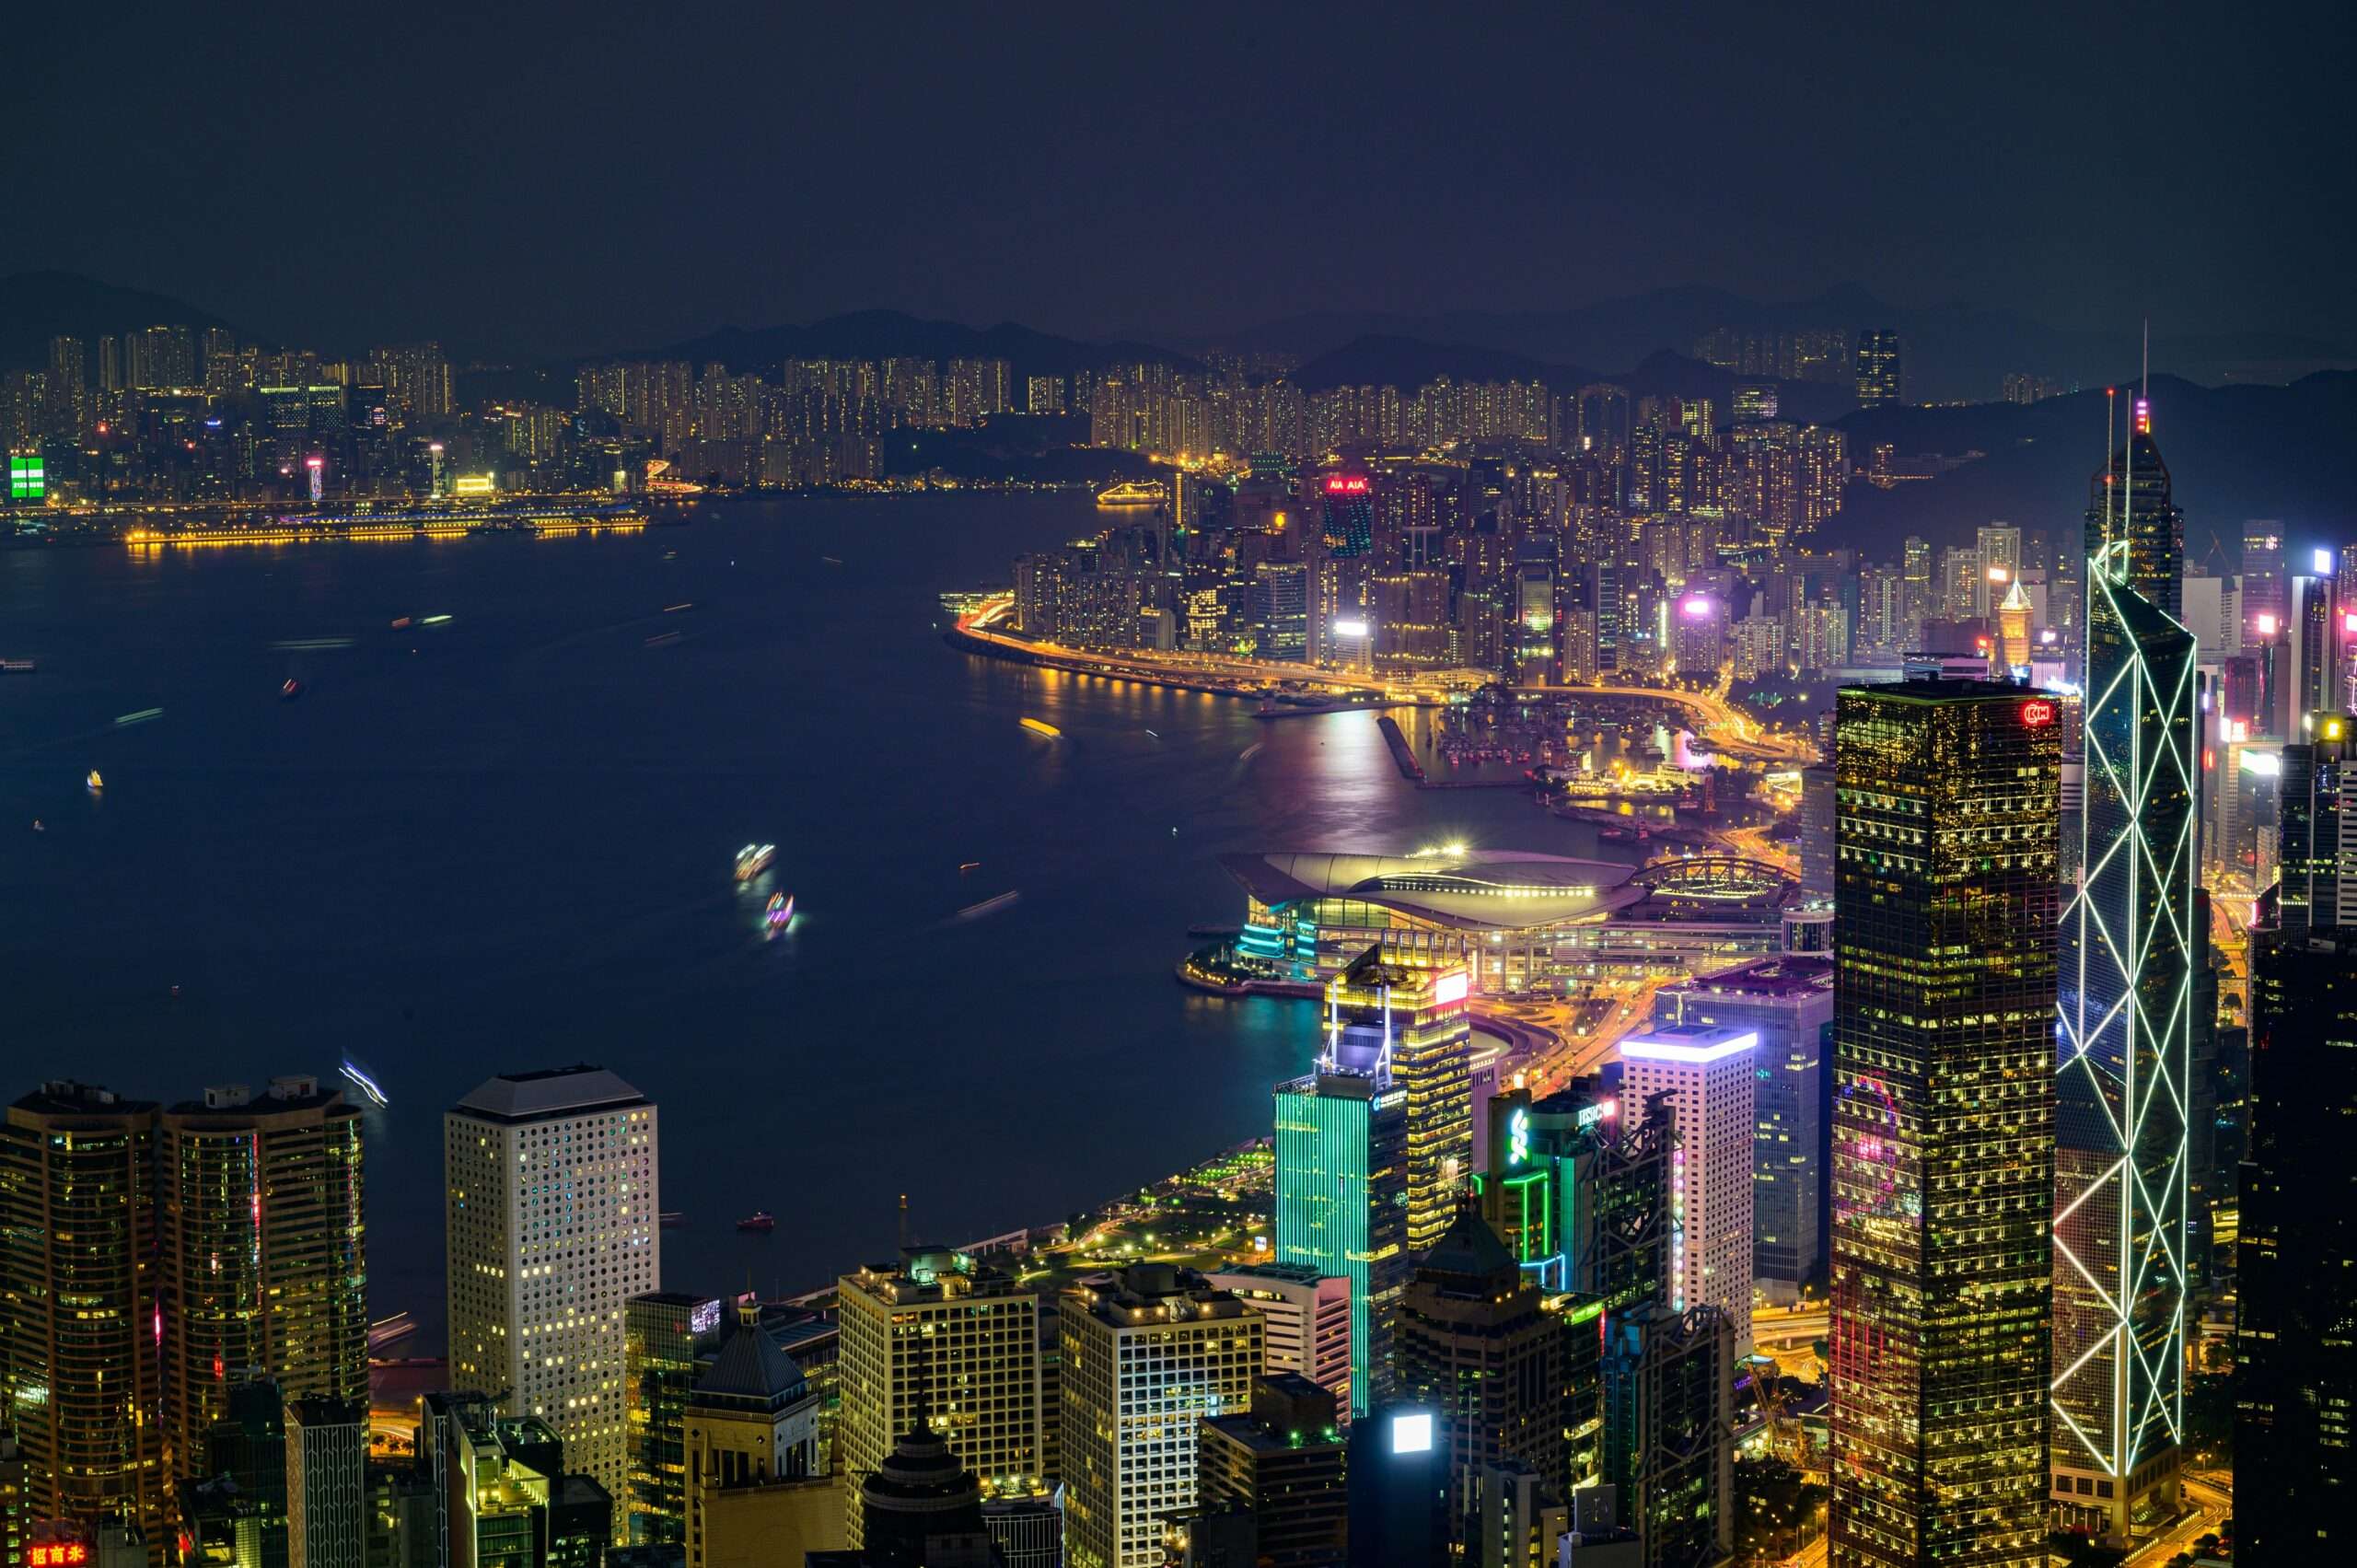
(504, 842)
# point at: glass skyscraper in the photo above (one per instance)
(1341, 1144)
(1946, 793)
(2295, 1390)
(2124, 1032)
(1411, 1015)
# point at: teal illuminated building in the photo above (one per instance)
(1342, 1190)
(1582, 1203)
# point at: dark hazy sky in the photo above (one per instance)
(529, 177)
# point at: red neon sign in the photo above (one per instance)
(70, 1555)
(1337, 484)
(2037, 715)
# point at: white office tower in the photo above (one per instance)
(550, 1227)
(1148, 1355)
(1308, 1315)
(1707, 1071)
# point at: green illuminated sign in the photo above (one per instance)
(28, 477)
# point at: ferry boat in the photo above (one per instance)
(1041, 727)
(365, 1085)
(754, 859)
(989, 906)
(781, 911)
(761, 1220)
(1132, 492)
(94, 783)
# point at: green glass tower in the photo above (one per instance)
(2124, 1030)
(1343, 1200)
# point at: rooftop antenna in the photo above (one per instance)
(904, 1222)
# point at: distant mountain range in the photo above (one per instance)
(37, 306)
(2234, 453)
(1956, 353)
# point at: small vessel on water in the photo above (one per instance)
(965, 866)
(292, 690)
(672, 1219)
(1041, 727)
(16, 666)
(989, 906)
(754, 859)
(780, 913)
(365, 1085)
(761, 1220)
(39, 825)
(401, 622)
(1131, 493)
(94, 783)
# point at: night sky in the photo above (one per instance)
(533, 178)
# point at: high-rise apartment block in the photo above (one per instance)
(550, 1211)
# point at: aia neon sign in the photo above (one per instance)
(1340, 484)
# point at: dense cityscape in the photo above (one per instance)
(1461, 882)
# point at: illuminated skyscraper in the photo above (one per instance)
(1418, 1012)
(1709, 1075)
(938, 1337)
(1942, 1122)
(1583, 1201)
(1880, 379)
(1787, 1001)
(1341, 1145)
(264, 1263)
(1475, 1344)
(2263, 577)
(666, 1335)
(2295, 1385)
(2316, 859)
(1308, 1315)
(1146, 1358)
(83, 1326)
(2124, 1030)
(551, 1204)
